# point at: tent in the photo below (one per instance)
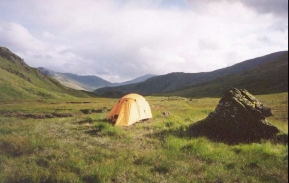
(130, 109)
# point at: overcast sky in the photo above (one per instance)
(119, 40)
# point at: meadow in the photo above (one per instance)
(69, 141)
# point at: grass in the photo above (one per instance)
(85, 148)
(18, 82)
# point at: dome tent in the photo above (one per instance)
(130, 109)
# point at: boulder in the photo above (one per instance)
(239, 117)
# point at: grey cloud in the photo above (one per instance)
(277, 7)
(46, 56)
(264, 39)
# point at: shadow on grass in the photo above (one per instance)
(86, 120)
(39, 115)
(90, 111)
(94, 132)
(221, 134)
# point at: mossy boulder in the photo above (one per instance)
(239, 117)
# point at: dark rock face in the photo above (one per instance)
(239, 117)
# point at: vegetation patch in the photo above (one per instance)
(39, 116)
(90, 111)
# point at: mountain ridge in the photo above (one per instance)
(177, 81)
(87, 82)
(270, 77)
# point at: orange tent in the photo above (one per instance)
(130, 109)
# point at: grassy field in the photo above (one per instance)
(68, 141)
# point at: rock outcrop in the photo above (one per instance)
(239, 117)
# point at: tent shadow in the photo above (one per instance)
(203, 128)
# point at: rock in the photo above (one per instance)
(239, 117)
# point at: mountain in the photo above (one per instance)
(88, 83)
(259, 74)
(269, 77)
(136, 80)
(19, 81)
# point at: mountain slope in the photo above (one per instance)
(270, 77)
(136, 80)
(179, 81)
(88, 83)
(20, 81)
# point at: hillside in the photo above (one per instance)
(269, 77)
(183, 84)
(88, 83)
(20, 81)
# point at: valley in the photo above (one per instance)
(52, 133)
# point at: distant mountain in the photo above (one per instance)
(19, 81)
(88, 83)
(213, 83)
(136, 80)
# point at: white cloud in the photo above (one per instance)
(18, 37)
(122, 39)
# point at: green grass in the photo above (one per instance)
(85, 148)
(18, 81)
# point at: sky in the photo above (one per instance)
(119, 40)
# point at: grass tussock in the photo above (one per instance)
(85, 148)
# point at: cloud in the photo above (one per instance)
(18, 37)
(48, 35)
(123, 39)
(279, 7)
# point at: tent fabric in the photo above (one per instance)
(130, 109)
